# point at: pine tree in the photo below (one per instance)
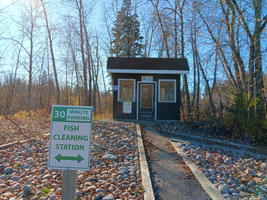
(127, 41)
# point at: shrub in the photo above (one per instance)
(238, 121)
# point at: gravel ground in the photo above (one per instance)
(114, 169)
(196, 130)
(237, 174)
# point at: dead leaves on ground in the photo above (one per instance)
(31, 127)
(149, 146)
(187, 170)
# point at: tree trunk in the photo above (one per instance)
(30, 66)
(207, 83)
(85, 83)
(238, 63)
(257, 4)
(52, 54)
(226, 66)
(76, 72)
(185, 82)
(251, 81)
(255, 46)
(89, 63)
(105, 89)
(163, 29)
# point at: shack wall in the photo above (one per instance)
(164, 111)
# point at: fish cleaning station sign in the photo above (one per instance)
(70, 137)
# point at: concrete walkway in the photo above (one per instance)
(171, 177)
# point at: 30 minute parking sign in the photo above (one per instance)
(70, 137)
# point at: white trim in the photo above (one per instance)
(137, 100)
(146, 71)
(118, 97)
(155, 102)
(162, 80)
(147, 78)
(165, 120)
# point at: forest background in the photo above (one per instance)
(55, 52)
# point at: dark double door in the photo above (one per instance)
(146, 101)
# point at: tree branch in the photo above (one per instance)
(240, 13)
(264, 23)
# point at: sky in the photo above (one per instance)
(96, 21)
(9, 9)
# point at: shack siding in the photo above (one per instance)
(170, 111)
(118, 106)
(165, 111)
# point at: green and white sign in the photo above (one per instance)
(70, 137)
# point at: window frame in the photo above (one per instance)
(175, 94)
(125, 79)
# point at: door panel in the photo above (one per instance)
(146, 101)
(146, 96)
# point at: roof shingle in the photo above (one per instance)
(147, 65)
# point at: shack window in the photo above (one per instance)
(126, 90)
(167, 90)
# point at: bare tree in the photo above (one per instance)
(255, 67)
(51, 52)
(29, 25)
(164, 29)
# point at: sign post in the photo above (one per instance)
(69, 183)
(70, 143)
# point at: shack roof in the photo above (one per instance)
(147, 65)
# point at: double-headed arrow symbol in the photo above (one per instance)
(78, 158)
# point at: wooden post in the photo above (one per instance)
(69, 183)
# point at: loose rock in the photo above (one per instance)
(114, 167)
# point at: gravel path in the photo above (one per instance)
(171, 178)
(114, 168)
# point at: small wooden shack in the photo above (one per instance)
(146, 88)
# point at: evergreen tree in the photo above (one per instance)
(127, 41)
